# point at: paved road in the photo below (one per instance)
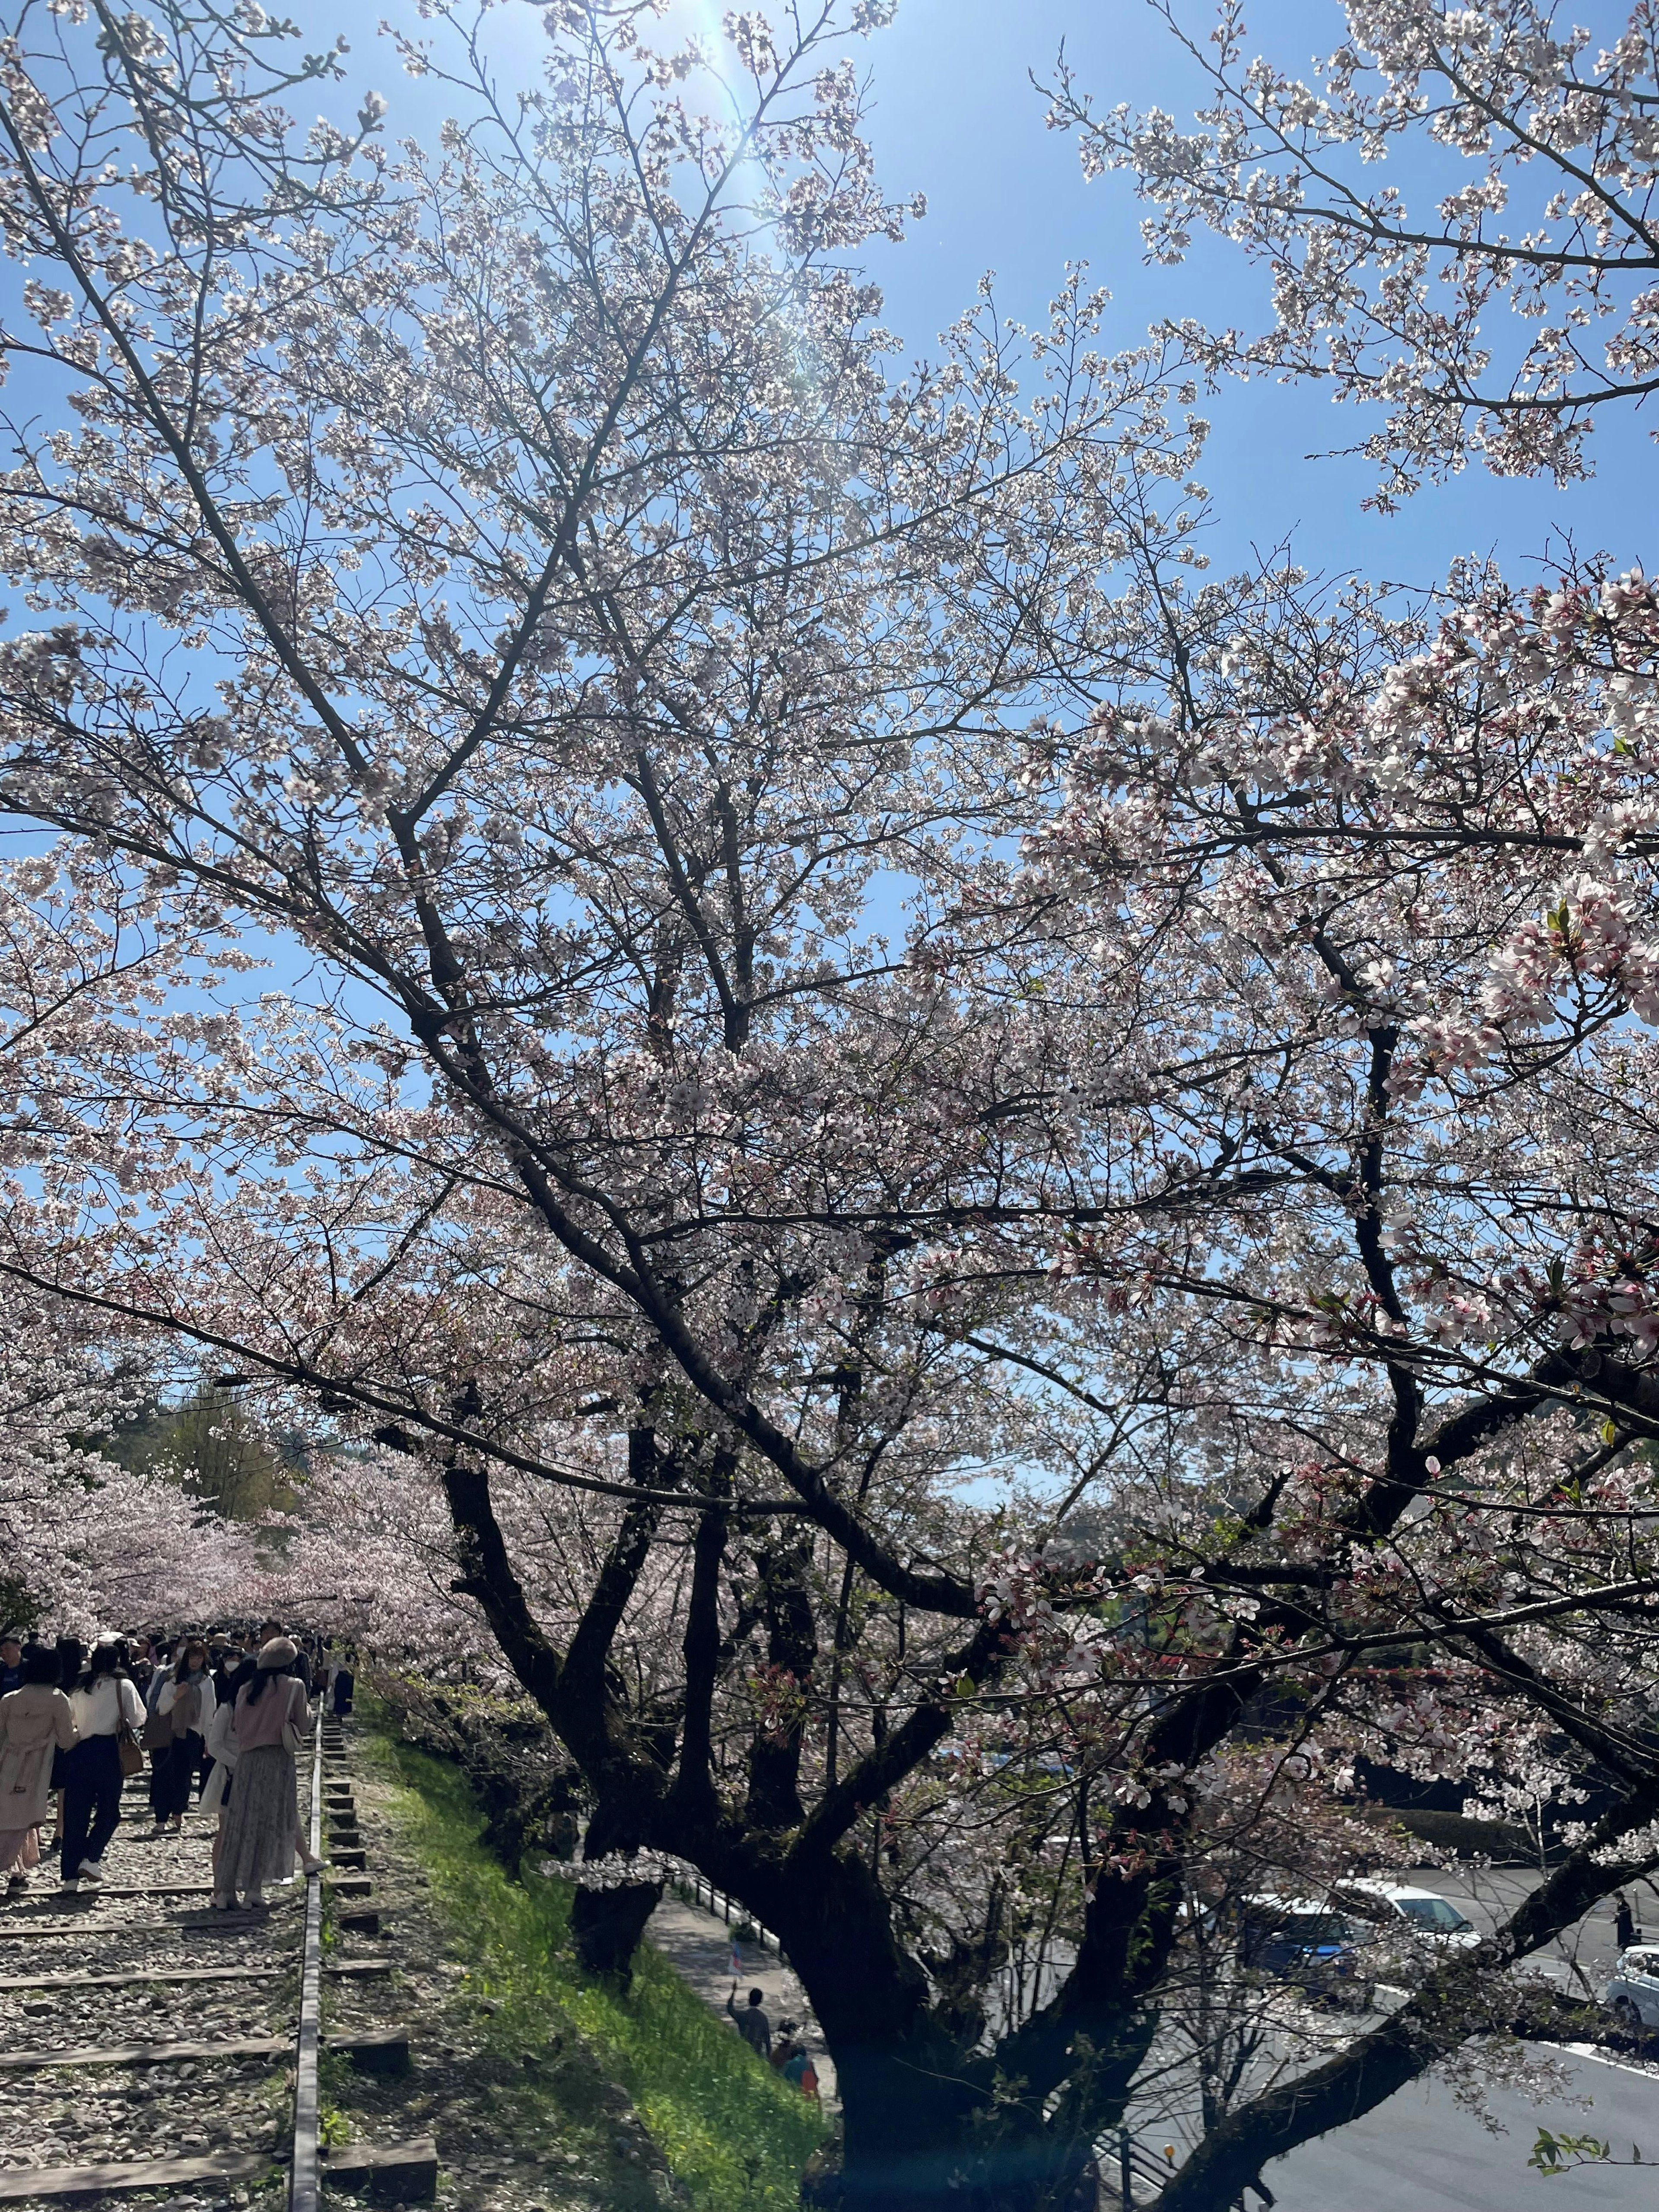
(1581, 1958)
(1421, 2152)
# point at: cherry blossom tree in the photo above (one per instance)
(515, 579)
(1530, 151)
(85, 1542)
(1365, 906)
(972, 1381)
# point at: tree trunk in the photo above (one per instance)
(922, 2130)
(606, 1925)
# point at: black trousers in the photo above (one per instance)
(92, 1800)
(159, 1783)
(177, 1772)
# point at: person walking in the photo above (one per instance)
(11, 1664)
(1624, 1922)
(103, 1702)
(260, 1839)
(223, 1751)
(201, 1681)
(36, 1723)
(157, 1737)
(72, 1657)
(753, 2025)
(178, 1708)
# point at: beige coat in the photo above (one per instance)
(35, 1722)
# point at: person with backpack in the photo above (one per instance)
(791, 2058)
(105, 1703)
(36, 1723)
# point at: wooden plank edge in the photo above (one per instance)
(17, 2182)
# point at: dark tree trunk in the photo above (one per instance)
(925, 2125)
(606, 1925)
(922, 2130)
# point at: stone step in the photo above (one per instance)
(401, 2172)
(373, 2050)
(53, 1900)
(17, 2181)
(142, 2054)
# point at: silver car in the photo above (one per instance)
(1632, 1990)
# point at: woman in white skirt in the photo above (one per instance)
(259, 1840)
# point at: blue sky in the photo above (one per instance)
(956, 118)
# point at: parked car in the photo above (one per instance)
(1632, 1990)
(1297, 1938)
(1424, 1911)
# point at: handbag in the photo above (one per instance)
(128, 1750)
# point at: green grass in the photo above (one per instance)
(734, 2134)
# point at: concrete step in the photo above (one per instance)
(401, 2172)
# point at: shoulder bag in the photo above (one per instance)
(127, 1749)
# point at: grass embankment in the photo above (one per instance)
(737, 2136)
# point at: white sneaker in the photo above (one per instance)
(69, 1882)
(90, 1877)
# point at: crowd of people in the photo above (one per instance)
(219, 1716)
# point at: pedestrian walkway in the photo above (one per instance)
(698, 1944)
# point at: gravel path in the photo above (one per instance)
(175, 2107)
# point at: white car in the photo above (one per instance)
(1423, 1910)
(1632, 1991)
